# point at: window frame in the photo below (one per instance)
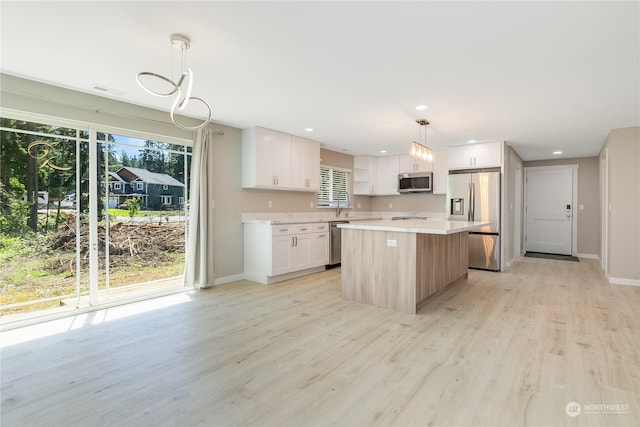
(332, 201)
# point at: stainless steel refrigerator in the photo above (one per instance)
(476, 196)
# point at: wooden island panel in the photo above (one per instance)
(403, 276)
(377, 274)
(441, 260)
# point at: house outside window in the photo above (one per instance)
(165, 187)
(140, 186)
(117, 186)
(181, 200)
(334, 185)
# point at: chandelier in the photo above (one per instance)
(418, 150)
(159, 85)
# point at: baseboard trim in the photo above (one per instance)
(588, 256)
(228, 279)
(623, 281)
(267, 280)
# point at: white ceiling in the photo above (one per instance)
(542, 76)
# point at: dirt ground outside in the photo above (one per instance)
(138, 252)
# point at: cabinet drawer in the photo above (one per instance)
(283, 229)
(320, 227)
(304, 228)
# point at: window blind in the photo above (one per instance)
(334, 184)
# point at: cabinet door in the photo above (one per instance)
(263, 166)
(305, 164)
(320, 249)
(281, 254)
(487, 154)
(411, 164)
(460, 157)
(301, 253)
(440, 171)
(272, 158)
(280, 157)
(381, 177)
(393, 169)
(407, 163)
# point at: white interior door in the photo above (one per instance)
(549, 210)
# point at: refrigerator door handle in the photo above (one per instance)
(470, 201)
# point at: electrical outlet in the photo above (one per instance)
(392, 243)
(311, 205)
(270, 204)
(390, 205)
(359, 205)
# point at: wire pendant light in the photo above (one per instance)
(418, 150)
(159, 85)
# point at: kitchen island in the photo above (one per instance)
(399, 264)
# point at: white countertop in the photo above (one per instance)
(307, 220)
(430, 226)
(328, 215)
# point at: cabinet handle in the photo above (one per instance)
(283, 229)
(292, 241)
(322, 235)
(304, 229)
(296, 240)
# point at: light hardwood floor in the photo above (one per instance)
(511, 348)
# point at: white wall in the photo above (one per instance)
(623, 241)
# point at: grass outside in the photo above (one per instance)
(125, 213)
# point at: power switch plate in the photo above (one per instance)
(392, 243)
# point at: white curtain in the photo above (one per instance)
(199, 269)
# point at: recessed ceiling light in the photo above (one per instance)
(471, 141)
(383, 151)
(557, 152)
(309, 130)
(421, 107)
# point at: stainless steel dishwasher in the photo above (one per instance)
(335, 249)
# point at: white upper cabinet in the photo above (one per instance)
(440, 171)
(364, 175)
(471, 156)
(388, 168)
(411, 164)
(276, 160)
(305, 164)
(375, 176)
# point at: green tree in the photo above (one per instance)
(133, 204)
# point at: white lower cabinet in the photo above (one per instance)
(278, 252)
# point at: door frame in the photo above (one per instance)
(574, 201)
(517, 222)
(604, 211)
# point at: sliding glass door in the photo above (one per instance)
(88, 216)
(141, 215)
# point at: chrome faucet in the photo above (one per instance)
(346, 193)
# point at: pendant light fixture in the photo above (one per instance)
(419, 150)
(159, 85)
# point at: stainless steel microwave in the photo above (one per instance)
(415, 182)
